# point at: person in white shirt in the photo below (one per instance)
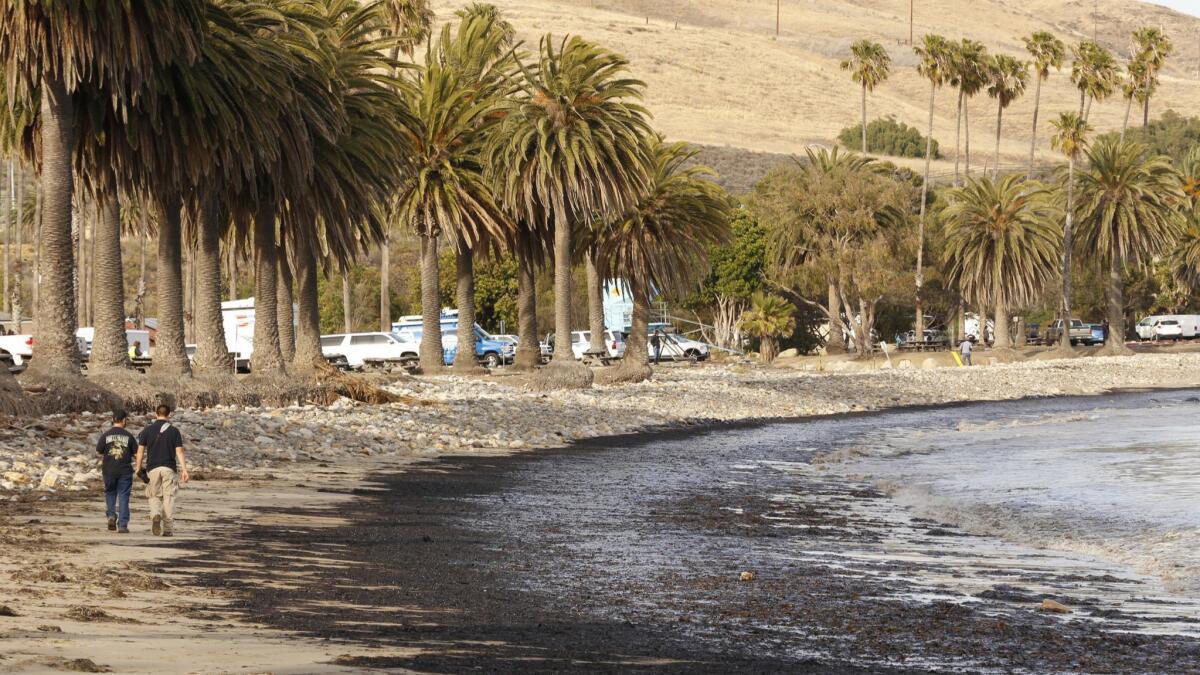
(965, 349)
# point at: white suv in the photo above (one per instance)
(365, 349)
(581, 341)
(676, 347)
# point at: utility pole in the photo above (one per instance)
(910, 21)
(777, 2)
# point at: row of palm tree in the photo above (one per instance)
(293, 131)
(967, 66)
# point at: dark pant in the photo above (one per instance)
(116, 494)
(966, 359)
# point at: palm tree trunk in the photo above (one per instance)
(284, 302)
(999, 123)
(308, 315)
(267, 357)
(189, 267)
(564, 371)
(1116, 307)
(1001, 320)
(110, 350)
(864, 118)
(385, 282)
(233, 286)
(54, 331)
(529, 353)
(8, 209)
(432, 359)
(1128, 109)
(595, 296)
(958, 135)
(37, 248)
(170, 354)
(1037, 104)
(1087, 112)
(347, 316)
(20, 266)
(967, 138)
(464, 264)
(836, 344)
(1146, 116)
(1064, 339)
(635, 365)
(139, 307)
(919, 324)
(212, 352)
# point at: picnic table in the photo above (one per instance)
(924, 345)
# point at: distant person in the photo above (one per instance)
(116, 447)
(160, 449)
(135, 350)
(965, 348)
(1104, 331)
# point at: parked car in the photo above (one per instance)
(367, 350)
(490, 352)
(87, 334)
(676, 347)
(1145, 328)
(1098, 334)
(18, 347)
(1080, 333)
(1168, 329)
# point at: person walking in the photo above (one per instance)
(656, 343)
(116, 447)
(965, 348)
(160, 450)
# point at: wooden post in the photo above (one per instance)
(910, 21)
(777, 2)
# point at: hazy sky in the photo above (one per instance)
(1189, 6)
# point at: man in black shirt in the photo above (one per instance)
(160, 449)
(116, 446)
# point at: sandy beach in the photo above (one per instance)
(75, 597)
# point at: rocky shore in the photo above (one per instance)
(447, 414)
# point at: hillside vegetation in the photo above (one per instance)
(722, 78)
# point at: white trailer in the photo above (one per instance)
(237, 316)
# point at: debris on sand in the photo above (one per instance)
(5, 610)
(1049, 605)
(82, 613)
(746, 576)
(50, 629)
(83, 666)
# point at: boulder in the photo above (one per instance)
(1055, 607)
(789, 353)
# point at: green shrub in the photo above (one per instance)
(886, 136)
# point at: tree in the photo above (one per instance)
(1133, 87)
(1153, 47)
(1128, 212)
(837, 224)
(1185, 259)
(1002, 244)
(768, 318)
(571, 148)
(661, 244)
(869, 65)
(66, 53)
(935, 62)
(1046, 52)
(969, 73)
(1008, 77)
(736, 271)
(1094, 72)
(1070, 138)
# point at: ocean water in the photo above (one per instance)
(1117, 481)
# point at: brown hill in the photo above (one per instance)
(717, 75)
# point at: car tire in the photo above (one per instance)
(491, 360)
(692, 355)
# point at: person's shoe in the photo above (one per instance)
(156, 526)
(122, 530)
(112, 524)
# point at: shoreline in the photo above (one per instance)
(54, 532)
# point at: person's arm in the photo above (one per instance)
(179, 458)
(100, 449)
(137, 461)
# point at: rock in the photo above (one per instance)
(50, 629)
(746, 576)
(789, 353)
(5, 610)
(16, 477)
(264, 440)
(1049, 605)
(52, 478)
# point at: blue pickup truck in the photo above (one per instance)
(491, 353)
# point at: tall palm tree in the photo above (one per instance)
(1094, 72)
(1046, 52)
(1153, 47)
(1070, 138)
(1186, 257)
(869, 66)
(970, 74)
(1133, 87)
(935, 63)
(1128, 211)
(1002, 244)
(662, 242)
(571, 149)
(1007, 82)
(66, 52)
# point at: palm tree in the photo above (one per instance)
(1007, 82)
(869, 65)
(1153, 49)
(1047, 51)
(1129, 211)
(1186, 257)
(1094, 72)
(935, 62)
(663, 241)
(769, 318)
(969, 75)
(571, 149)
(1002, 244)
(66, 53)
(1133, 87)
(453, 102)
(1070, 138)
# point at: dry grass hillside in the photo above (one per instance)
(718, 76)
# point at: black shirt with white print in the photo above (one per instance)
(160, 438)
(118, 447)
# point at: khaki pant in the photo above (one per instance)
(162, 488)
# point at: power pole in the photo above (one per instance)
(910, 22)
(777, 2)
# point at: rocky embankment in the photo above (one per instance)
(449, 414)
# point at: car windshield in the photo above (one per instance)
(1168, 323)
(1076, 323)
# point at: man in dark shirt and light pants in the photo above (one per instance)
(116, 447)
(160, 446)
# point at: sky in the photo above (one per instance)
(1190, 6)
